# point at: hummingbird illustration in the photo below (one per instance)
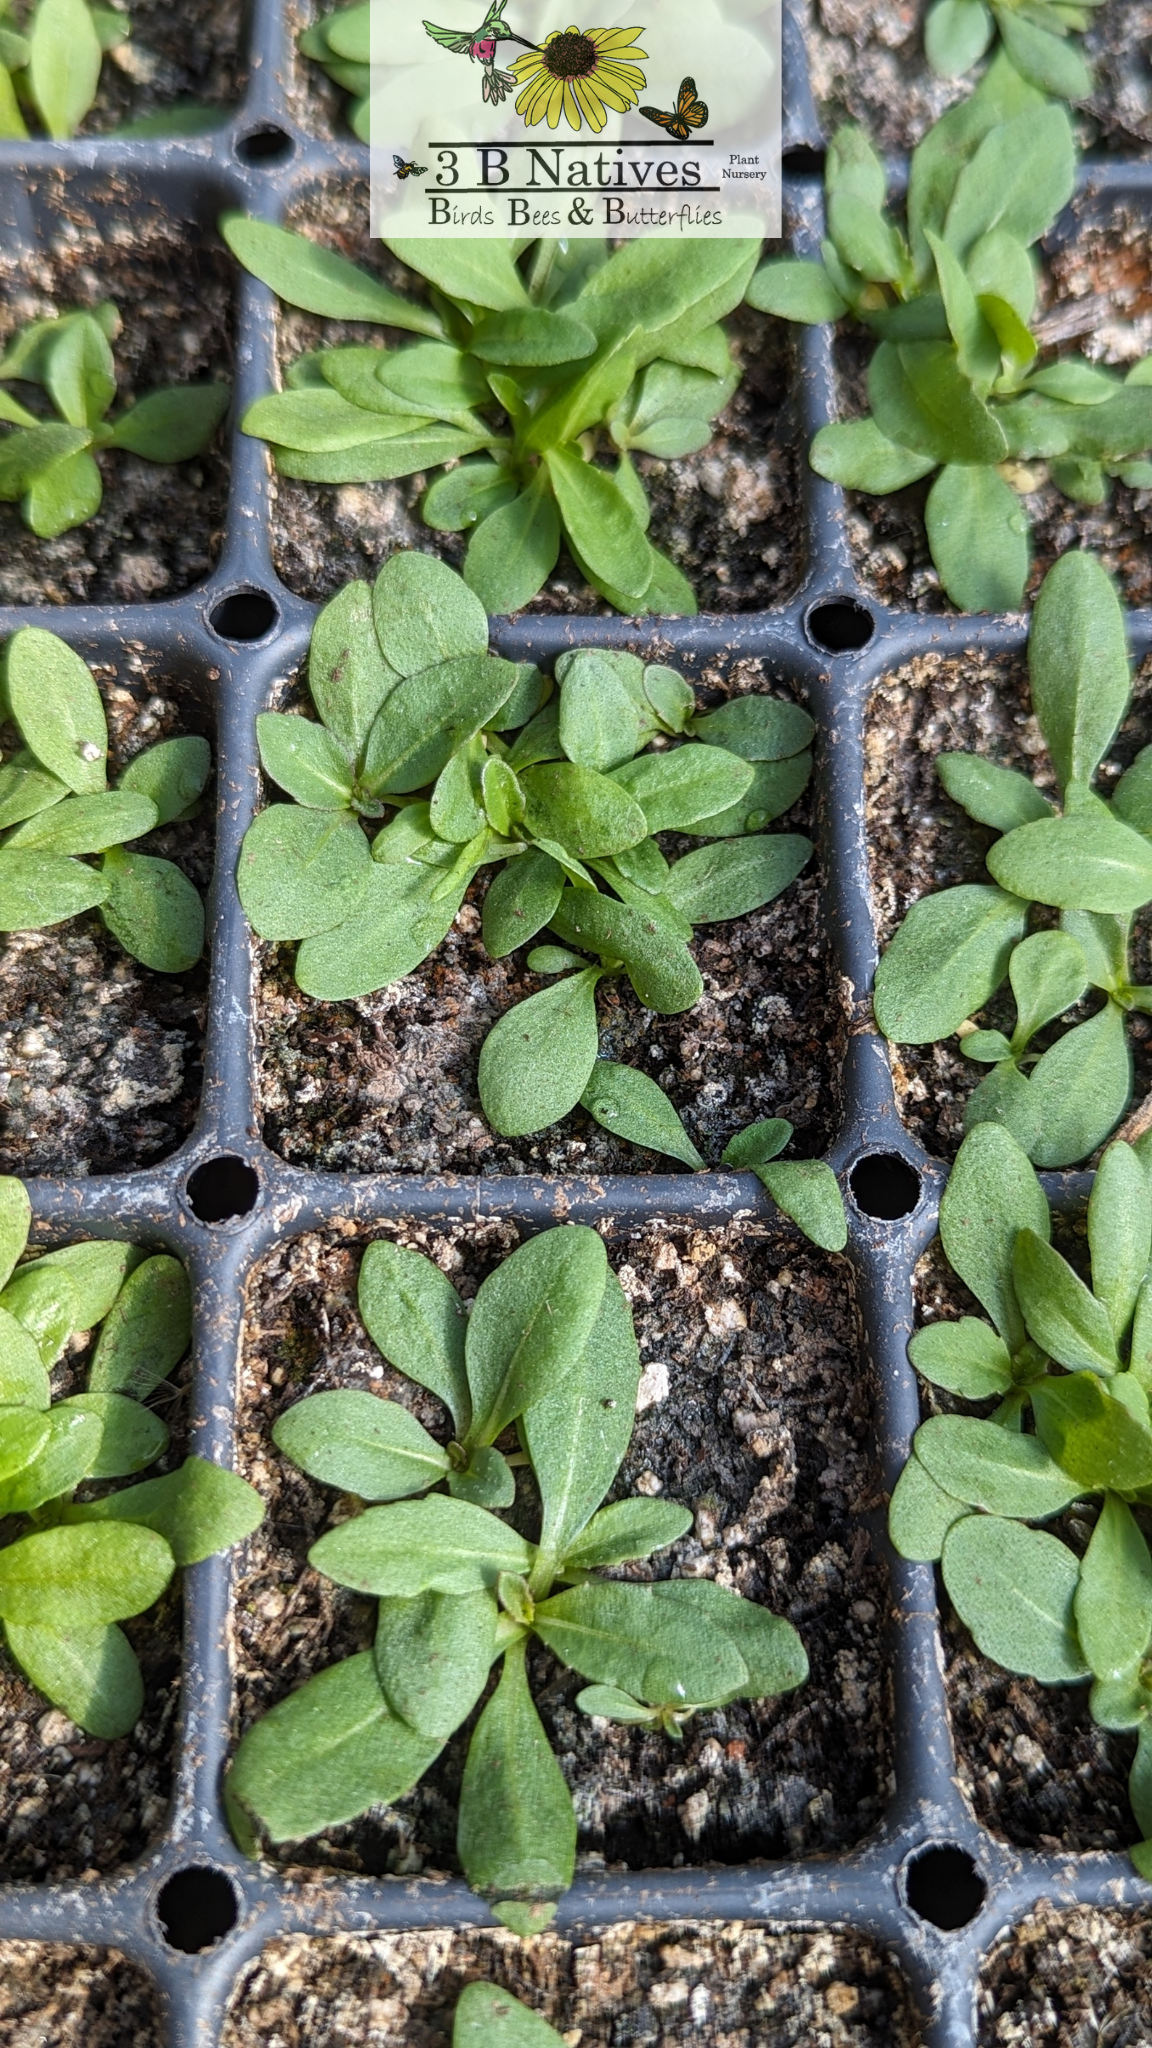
(479, 45)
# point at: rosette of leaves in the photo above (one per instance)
(957, 388)
(532, 358)
(548, 1346)
(1091, 860)
(48, 462)
(340, 43)
(75, 1562)
(65, 836)
(1069, 1366)
(50, 60)
(1035, 36)
(480, 762)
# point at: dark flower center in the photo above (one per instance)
(569, 56)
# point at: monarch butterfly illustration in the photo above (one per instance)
(690, 112)
(412, 170)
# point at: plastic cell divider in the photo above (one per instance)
(930, 1885)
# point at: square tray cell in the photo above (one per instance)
(145, 240)
(61, 1995)
(741, 1985)
(100, 1059)
(1095, 299)
(729, 515)
(867, 64)
(921, 841)
(1031, 1762)
(1059, 1979)
(387, 1083)
(71, 1804)
(755, 1410)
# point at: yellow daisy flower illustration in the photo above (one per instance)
(580, 74)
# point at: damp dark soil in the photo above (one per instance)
(387, 1083)
(867, 64)
(194, 52)
(921, 841)
(1096, 301)
(54, 1995)
(160, 526)
(100, 1059)
(733, 1984)
(72, 1805)
(728, 516)
(755, 1410)
(1030, 1760)
(1060, 1979)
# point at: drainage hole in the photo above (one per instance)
(841, 627)
(196, 1908)
(884, 1185)
(222, 1188)
(802, 158)
(267, 145)
(245, 615)
(945, 1887)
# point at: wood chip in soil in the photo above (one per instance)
(57, 1995)
(1095, 300)
(921, 841)
(733, 1985)
(729, 516)
(867, 64)
(1030, 1760)
(100, 1059)
(160, 526)
(1060, 1979)
(387, 1083)
(756, 1410)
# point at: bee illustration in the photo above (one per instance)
(412, 170)
(690, 112)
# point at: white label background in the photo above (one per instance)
(427, 108)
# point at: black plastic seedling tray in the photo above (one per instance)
(930, 1885)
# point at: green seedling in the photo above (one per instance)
(340, 43)
(74, 1564)
(1091, 860)
(957, 386)
(56, 807)
(50, 59)
(532, 357)
(487, 2016)
(481, 762)
(634, 1107)
(50, 62)
(549, 1345)
(1070, 1367)
(48, 460)
(1035, 37)
(805, 1189)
